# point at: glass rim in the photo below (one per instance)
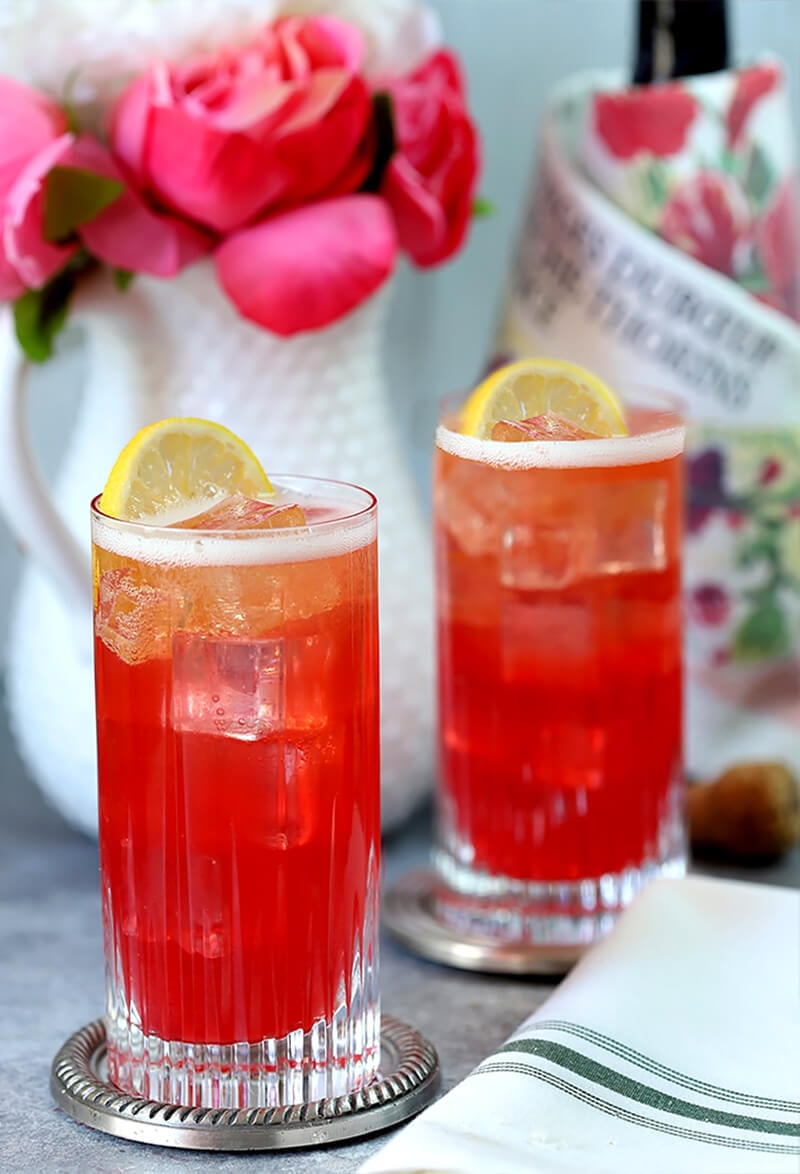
(318, 525)
(663, 442)
(634, 394)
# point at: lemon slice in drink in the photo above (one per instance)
(534, 387)
(178, 467)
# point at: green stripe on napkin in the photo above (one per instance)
(623, 1114)
(645, 1094)
(713, 1090)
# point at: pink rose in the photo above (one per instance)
(33, 134)
(281, 122)
(431, 179)
(128, 235)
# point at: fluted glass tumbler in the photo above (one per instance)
(238, 756)
(559, 630)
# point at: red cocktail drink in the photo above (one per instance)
(559, 613)
(237, 697)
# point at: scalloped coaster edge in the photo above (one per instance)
(409, 916)
(410, 1079)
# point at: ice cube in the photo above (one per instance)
(472, 503)
(245, 513)
(132, 617)
(207, 929)
(540, 628)
(548, 426)
(630, 528)
(545, 553)
(228, 687)
(614, 529)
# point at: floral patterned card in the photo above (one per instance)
(709, 164)
(742, 590)
(660, 248)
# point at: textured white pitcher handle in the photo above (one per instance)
(25, 501)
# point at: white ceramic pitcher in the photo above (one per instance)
(314, 404)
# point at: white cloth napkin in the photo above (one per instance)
(673, 1046)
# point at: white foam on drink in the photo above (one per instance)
(334, 533)
(642, 449)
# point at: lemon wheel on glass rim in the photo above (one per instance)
(535, 387)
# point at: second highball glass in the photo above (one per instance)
(559, 628)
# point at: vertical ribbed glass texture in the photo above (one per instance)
(238, 749)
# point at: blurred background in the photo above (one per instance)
(514, 52)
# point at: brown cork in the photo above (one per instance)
(750, 813)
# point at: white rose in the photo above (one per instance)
(91, 49)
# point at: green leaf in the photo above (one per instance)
(483, 207)
(756, 281)
(67, 104)
(122, 278)
(759, 179)
(386, 145)
(71, 115)
(73, 197)
(763, 634)
(756, 551)
(657, 183)
(729, 161)
(772, 517)
(40, 314)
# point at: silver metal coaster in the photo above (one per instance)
(409, 1080)
(409, 915)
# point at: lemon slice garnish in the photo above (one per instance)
(532, 387)
(176, 468)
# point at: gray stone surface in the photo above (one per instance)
(51, 975)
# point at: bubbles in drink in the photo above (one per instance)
(132, 617)
(233, 688)
(474, 511)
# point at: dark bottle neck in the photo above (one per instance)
(680, 38)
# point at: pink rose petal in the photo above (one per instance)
(431, 180)
(421, 221)
(345, 41)
(220, 180)
(129, 120)
(323, 91)
(253, 109)
(34, 258)
(11, 287)
(28, 122)
(305, 153)
(304, 269)
(130, 235)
